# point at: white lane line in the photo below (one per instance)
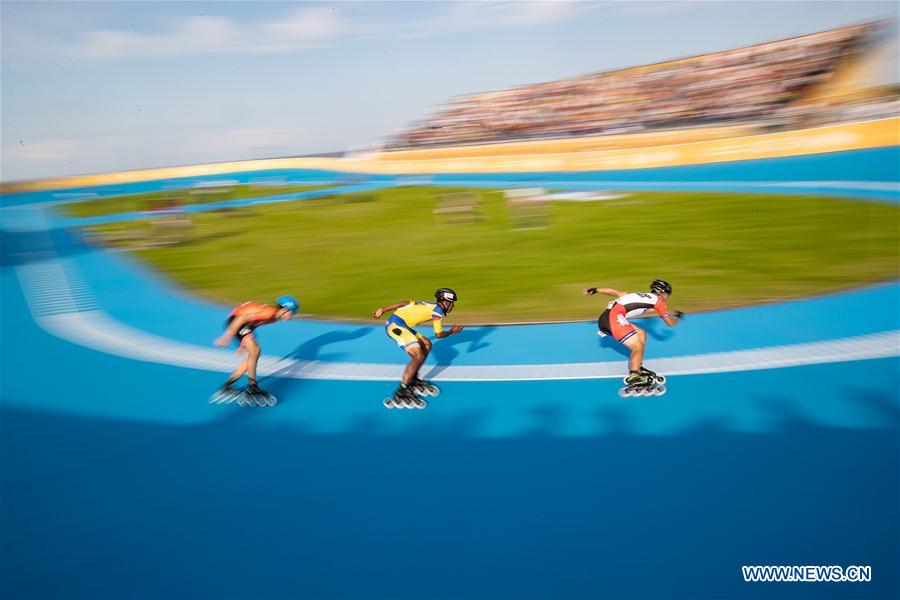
(96, 330)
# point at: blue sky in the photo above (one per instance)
(104, 86)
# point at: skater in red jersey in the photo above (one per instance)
(614, 322)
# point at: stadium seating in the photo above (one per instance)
(754, 84)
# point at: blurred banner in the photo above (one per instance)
(668, 149)
(550, 155)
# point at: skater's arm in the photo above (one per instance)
(651, 314)
(448, 332)
(608, 291)
(671, 318)
(232, 330)
(377, 314)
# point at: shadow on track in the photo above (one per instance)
(447, 350)
(280, 383)
(656, 330)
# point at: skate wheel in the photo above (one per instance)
(221, 398)
(661, 379)
(625, 380)
(659, 391)
(420, 403)
(271, 400)
(388, 403)
(427, 391)
(624, 392)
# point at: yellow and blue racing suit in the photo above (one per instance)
(399, 326)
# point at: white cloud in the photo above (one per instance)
(42, 150)
(57, 157)
(304, 28)
(461, 16)
(28, 160)
(307, 24)
(651, 8)
(526, 14)
(242, 141)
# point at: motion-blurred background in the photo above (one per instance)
(519, 194)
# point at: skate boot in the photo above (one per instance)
(410, 400)
(424, 388)
(638, 378)
(404, 397)
(660, 379)
(644, 371)
(641, 384)
(259, 397)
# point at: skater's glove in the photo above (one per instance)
(678, 315)
(590, 291)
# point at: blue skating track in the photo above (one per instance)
(529, 477)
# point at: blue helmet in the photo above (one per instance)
(289, 303)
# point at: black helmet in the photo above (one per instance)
(660, 286)
(446, 294)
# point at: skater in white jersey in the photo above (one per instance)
(614, 322)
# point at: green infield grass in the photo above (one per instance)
(344, 256)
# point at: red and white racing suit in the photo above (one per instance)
(614, 320)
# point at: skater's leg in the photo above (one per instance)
(420, 386)
(238, 373)
(255, 395)
(632, 336)
(253, 353)
(636, 343)
(245, 344)
(417, 354)
(425, 344)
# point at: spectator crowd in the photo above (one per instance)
(745, 85)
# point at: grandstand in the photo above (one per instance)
(779, 84)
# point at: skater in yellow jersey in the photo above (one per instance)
(400, 328)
